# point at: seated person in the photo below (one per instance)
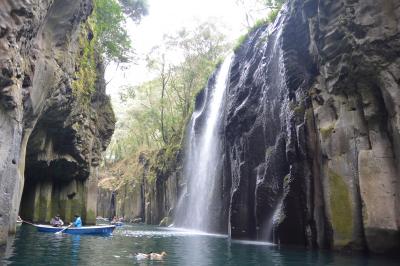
(77, 222)
(56, 221)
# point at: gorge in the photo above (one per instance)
(309, 133)
(295, 139)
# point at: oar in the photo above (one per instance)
(59, 232)
(28, 222)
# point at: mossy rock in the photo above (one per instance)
(326, 132)
(86, 75)
(166, 221)
(90, 217)
(299, 110)
(341, 209)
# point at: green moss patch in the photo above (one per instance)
(85, 78)
(341, 210)
(326, 132)
(90, 217)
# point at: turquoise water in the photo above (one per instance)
(183, 248)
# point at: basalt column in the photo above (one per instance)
(312, 127)
(44, 124)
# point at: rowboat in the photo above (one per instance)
(84, 230)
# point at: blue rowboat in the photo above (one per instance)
(84, 230)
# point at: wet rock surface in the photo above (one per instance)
(46, 132)
(311, 127)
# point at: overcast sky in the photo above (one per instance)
(167, 17)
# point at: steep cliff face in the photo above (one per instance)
(48, 133)
(143, 189)
(312, 127)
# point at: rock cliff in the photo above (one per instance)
(310, 133)
(312, 127)
(51, 133)
(142, 189)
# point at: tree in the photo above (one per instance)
(156, 61)
(251, 9)
(135, 9)
(110, 36)
(254, 10)
(274, 4)
(158, 109)
(201, 47)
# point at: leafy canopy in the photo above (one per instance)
(135, 9)
(274, 3)
(108, 22)
(158, 110)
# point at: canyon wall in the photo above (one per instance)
(143, 189)
(312, 127)
(310, 134)
(52, 134)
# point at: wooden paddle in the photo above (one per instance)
(59, 232)
(28, 222)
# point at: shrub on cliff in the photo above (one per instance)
(104, 39)
(110, 36)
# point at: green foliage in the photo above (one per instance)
(327, 131)
(85, 79)
(240, 41)
(104, 35)
(258, 24)
(272, 15)
(274, 4)
(110, 36)
(243, 38)
(135, 9)
(158, 110)
(299, 110)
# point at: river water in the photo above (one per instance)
(183, 248)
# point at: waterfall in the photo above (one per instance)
(203, 158)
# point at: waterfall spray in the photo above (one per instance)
(203, 157)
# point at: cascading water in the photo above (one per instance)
(203, 157)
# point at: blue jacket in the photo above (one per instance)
(77, 222)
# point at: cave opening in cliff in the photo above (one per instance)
(53, 182)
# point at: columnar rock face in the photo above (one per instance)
(312, 127)
(311, 132)
(148, 194)
(47, 132)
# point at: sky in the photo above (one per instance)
(167, 17)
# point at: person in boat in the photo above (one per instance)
(77, 222)
(114, 220)
(56, 221)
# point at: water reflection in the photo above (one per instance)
(7, 250)
(183, 248)
(75, 248)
